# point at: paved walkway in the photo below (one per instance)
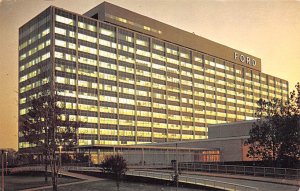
(83, 179)
(262, 183)
(253, 178)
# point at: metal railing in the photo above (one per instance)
(156, 175)
(79, 168)
(42, 168)
(244, 170)
(195, 181)
(27, 168)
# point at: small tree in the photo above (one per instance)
(275, 134)
(47, 126)
(115, 165)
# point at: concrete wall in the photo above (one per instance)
(228, 137)
(235, 129)
(154, 157)
(231, 149)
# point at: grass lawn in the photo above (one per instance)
(13, 183)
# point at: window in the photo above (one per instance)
(65, 20)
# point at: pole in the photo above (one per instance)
(6, 162)
(176, 171)
(2, 171)
(60, 147)
(143, 157)
(60, 157)
(89, 162)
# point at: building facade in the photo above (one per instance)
(227, 140)
(129, 79)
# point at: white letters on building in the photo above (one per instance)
(244, 59)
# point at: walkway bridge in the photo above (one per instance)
(230, 184)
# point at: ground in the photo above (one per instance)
(110, 185)
(13, 183)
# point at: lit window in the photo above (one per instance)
(60, 31)
(141, 42)
(107, 32)
(64, 20)
(87, 26)
(158, 47)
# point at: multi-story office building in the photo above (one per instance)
(130, 79)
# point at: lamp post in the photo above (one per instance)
(60, 148)
(6, 162)
(176, 169)
(2, 170)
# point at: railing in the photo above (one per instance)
(27, 168)
(79, 168)
(42, 168)
(156, 175)
(195, 181)
(245, 170)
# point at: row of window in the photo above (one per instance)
(139, 42)
(35, 49)
(155, 56)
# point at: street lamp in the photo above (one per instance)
(2, 170)
(60, 148)
(6, 162)
(176, 169)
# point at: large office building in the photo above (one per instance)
(129, 79)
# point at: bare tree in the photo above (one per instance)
(115, 165)
(47, 126)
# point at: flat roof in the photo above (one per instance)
(232, 123)
(144, 146)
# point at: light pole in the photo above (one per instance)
(176, 169)
(6, 162)
(2, 170)
(60, 148)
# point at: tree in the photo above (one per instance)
(115, 165)
(289, 152)
(47, 126)
(275, 134)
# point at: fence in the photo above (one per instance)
(195, 181)
(245, 170)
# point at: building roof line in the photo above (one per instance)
(232, 123)
(144, 146)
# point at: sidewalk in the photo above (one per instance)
(83, 179)
(240, 176)
(245, 177)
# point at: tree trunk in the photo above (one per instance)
(118, 185)
(54, 171)
(118, 182)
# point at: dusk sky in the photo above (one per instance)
(269, 30)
